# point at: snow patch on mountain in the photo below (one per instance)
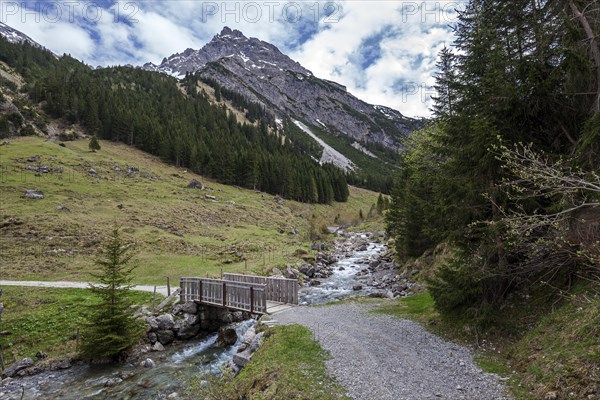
(330, 155)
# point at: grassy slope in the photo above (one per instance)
(289, 365)
(46, 319)
(52, 244)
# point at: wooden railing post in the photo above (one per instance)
(224, 294)
(251, 299)
(200, 289)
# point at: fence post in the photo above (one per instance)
(1, 360)
(251, 299)
(224, 294)
(168, 286)
(154, 298)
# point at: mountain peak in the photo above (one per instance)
(260, 73)
(15, 36)
(227, 31)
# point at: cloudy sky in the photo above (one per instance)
(383, 51)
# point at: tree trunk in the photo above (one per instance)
(594, 49)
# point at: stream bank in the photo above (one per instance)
(359, 264)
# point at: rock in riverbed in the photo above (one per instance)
(226, 337)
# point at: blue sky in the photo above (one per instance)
(383, 51)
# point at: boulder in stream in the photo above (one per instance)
(165, 336)
(148, 363)
(226, 337)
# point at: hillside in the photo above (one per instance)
(178, 230)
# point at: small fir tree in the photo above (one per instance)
(380, 204)
(94, 144)
(111, 328)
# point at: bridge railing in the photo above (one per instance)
(280, 290)
(244, 296)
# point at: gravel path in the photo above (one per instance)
(77, 285)
(381, 357)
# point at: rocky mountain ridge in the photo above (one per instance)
(264, 75)
(15, 36)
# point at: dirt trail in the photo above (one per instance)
(77, 285)
(380, 357)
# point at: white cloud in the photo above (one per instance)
(409, 34)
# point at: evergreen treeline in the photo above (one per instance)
(518, 72)
(253, 111)
(151, 111)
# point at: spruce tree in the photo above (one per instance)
(111, 328)
(94, 144)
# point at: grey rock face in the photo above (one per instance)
(263, 75)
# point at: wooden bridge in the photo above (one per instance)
(256, 294)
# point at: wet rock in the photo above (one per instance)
(188, 332)
(14, 368)
(158, 347)
(315, 282)
(34, 194)
(165, 336)
(357, 287)
(148, 363)
(110, 382)
(126, 374)
(226, 337)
